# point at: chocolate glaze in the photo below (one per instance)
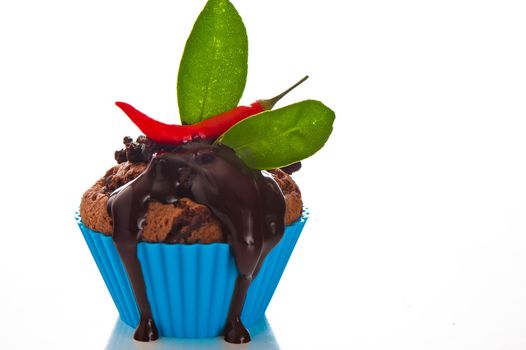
(289, 169)
(248, 203)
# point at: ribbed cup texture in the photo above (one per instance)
(189, 286)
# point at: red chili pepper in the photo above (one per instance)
(213, 127)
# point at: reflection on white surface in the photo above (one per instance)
(262, 339)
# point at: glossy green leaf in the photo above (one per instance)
(213, 69)
(274, 139)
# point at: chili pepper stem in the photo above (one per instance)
(269, 103)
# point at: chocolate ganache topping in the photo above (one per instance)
(248, 203)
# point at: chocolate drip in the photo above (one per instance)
(249, 204)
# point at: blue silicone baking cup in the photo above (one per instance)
(189, 286)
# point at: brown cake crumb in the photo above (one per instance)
(122, 174)
(93, 206)
(291, 191)
(182, 222)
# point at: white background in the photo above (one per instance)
(417, 231)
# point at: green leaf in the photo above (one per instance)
(213, 69)
(274, 139)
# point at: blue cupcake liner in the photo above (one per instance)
(189, 286)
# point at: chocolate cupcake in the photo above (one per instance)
(192, 229)
(188, 271)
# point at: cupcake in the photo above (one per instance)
(193, 227)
